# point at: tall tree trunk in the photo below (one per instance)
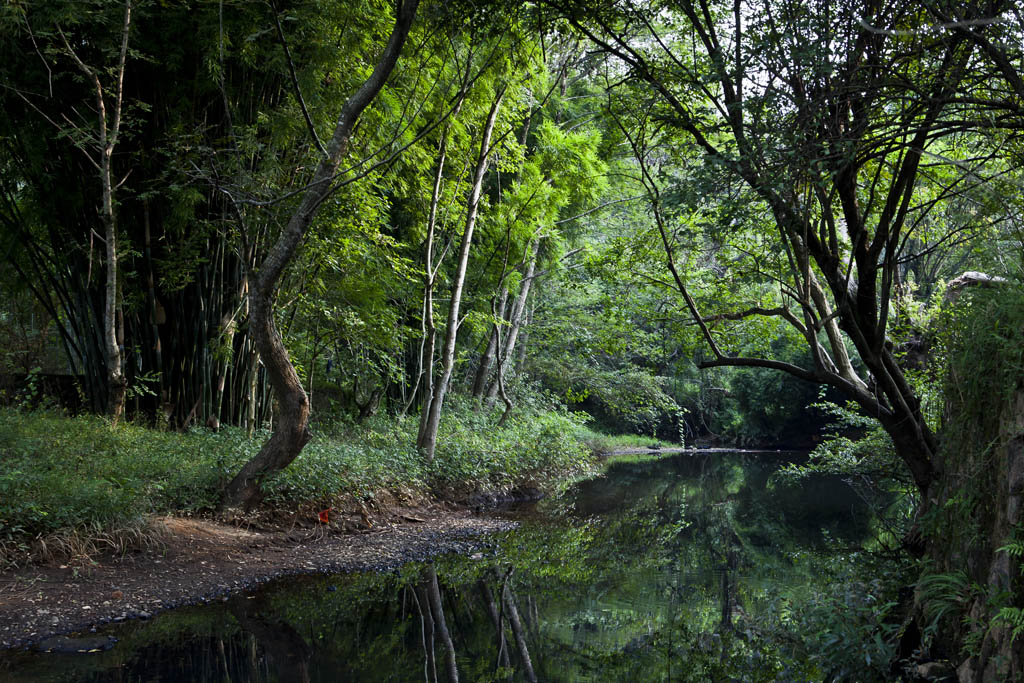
(292, 431)
(424, 380)
(524, 334)
(515, 323)
(423, 387)
(226, 329)
(431, 417)
(106, 135)
(151, 304)
(487, 358)
(252, 399)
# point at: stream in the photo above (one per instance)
(671, 568)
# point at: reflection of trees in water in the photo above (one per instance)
(288, 651)
(497, 621)
(717, 537)
(432, 619)
(512, 612)
(504, 617)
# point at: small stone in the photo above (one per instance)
(144, 615)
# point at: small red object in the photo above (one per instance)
(323, 516)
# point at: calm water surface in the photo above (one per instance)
(672, 569)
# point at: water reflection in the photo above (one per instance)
(659, 570)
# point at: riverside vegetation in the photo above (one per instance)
(68, 485)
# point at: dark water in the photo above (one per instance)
(683, 568)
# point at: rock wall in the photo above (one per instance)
(976, 506)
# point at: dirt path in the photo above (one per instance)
(202, 560)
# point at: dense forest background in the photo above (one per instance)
(745, 223)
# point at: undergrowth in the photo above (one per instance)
(75, 484)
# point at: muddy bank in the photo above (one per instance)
(201, 560)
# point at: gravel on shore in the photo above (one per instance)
(202, 560)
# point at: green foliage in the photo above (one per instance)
(944, 595)
(61, 473)
(851, 631)
(870, 455)
(626, 399)
(1014, 549)
(765, 406)
(1013, 618)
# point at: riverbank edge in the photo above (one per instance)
(203, 561)
(679, 450)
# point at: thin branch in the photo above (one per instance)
(598, 208)
(295, 83)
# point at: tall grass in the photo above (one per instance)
(59, 473)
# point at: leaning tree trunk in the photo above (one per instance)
(494, 343)
(431, 415)
(291, 432)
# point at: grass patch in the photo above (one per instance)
(603, 444)
(74, 484)
(633, 458)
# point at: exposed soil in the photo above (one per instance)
(199, 560)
